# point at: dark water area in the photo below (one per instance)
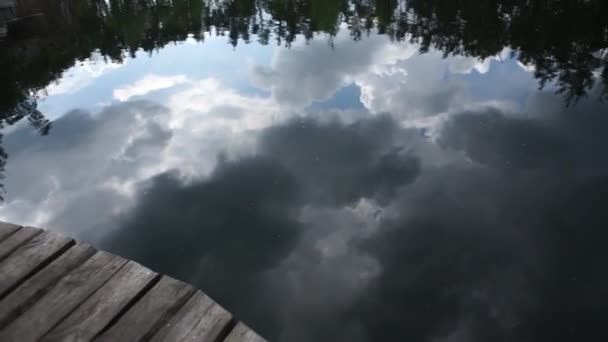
(328, 170)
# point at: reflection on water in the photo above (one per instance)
(564, 41)
(329, 170)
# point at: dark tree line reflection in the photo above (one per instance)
(566, 41)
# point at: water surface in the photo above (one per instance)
(328, 170)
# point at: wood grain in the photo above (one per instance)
(42, 282)
(17, 239)
(151, 312)
(26, 259)
(178, 328)
(242, 333)
(95, 313)
(72, 290)
(212, 325)
(55, 289)
(7, 229)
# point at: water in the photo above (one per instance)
(327, 170)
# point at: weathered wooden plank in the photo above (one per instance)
(151, 312)
(53, 290)
(212, 325)
(26, 259)
(84, 323)
(6, 229)
(17, 239)
(72, 290)
(39, 284)
(242, 333)
(178, 328)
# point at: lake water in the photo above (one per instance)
(328, 170)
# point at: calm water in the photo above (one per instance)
(328, 170)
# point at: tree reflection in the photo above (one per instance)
(565, 41)
(560, 39)
(26, 108)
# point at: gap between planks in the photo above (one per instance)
(54, 289)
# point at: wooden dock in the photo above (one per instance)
(53, 288)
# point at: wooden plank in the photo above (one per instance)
(178, 328)
(151, 312)
(84, 323)
(20, 237)
(242, 333)
(28, 258)
(38, 285)
(72, 290)
(53, 290)
(7, 229)
(187, 317)
(212, 325)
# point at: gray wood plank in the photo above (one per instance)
(242, 333)
(151, 312)
(39, 284)
(27, 258)
(211, 326)
(6, 229)
(20, 237)
(84, 323)
(72, 290)
(178, 328)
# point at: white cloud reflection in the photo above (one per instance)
(465, 65)
(393, 78)
(82, 75)
(198, 119)
(146, 85)
(295, 80)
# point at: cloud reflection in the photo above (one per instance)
(470, 249)
(330, 226)
(146, 85)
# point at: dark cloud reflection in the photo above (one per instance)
(227, 231)
(339, 164)
(332, 229)
(221, 233)
(508, 245)
(487, 225)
